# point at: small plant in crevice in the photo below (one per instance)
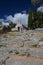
(41, 39)
(35, 45)
(11, 51)
(3, 46)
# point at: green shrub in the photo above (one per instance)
(35, 45)
(41, 39)
(2, 46)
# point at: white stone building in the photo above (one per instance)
(18, 27)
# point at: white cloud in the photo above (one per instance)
(5, 24)
(9, 18)
(23, 18)
(40, 9)
(1, 20)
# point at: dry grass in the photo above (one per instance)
(41, 39)
(35, 45)
(12, 33)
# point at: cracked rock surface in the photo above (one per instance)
(24, 48)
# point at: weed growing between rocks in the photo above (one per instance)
(2, 46)
(41, 39)
(35, 45)
(11, 51)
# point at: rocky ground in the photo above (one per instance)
(25, 48)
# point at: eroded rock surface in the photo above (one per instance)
(28, 43)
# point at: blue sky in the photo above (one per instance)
(14, 10)
(10, 7)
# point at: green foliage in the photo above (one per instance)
(34, 2)
(41, 39)
(35, 45)
(2, 46)
(6, 29)
(38, 16)
(36, 21)
(30, 20)
(11, 24)
(0, 23)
